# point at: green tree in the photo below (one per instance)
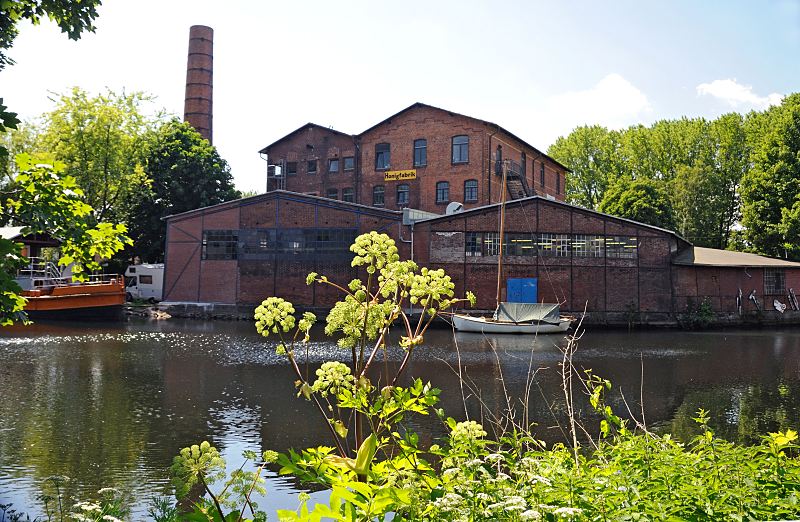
(73, 17)
(770, 191)
(100, 138)
(39, 197)
(641, 200)
(589, 152)
(187, 173)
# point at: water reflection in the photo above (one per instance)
(112, 405)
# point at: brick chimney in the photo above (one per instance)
(198, 103)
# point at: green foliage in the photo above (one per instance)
(73, 17)
(99, 139)
(771, 190)
(43, 200)
(641, 200)
(202, 466)
(187, 173)
(697, 315)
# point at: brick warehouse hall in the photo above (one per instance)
(326, 187)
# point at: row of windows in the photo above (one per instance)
(346, 163)
(403, 191)
(459, 152)
(478, 244)
(348, 194)
(265, 243)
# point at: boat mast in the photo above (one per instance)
(502, 227)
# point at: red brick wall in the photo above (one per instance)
(316, 144)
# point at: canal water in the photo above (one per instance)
(111, 405)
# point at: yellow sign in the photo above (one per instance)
(399, 175)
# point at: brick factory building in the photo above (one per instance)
(233, 255)
(422, 157)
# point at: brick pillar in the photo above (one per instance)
(198, 103)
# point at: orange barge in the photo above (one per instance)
(97, 299)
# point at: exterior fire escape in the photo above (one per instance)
(515, 179)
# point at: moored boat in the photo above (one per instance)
(516, 318)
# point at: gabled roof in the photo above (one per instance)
(287, 194)
(302, 128)
(512, 202)
(701, 256)
(419, 105)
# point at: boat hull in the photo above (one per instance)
(467, 323)
(100, 301)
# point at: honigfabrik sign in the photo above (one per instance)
(398, 175)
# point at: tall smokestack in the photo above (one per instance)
(198, 103)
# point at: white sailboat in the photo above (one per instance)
(514, 318)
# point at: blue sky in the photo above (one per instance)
(537, 68)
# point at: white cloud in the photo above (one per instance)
(735, 94)
(613, 102)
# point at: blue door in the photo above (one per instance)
(522, 290)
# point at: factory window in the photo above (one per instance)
(491, 243)
(471, 190)
(624, 247)
(541, 175)
(442, 192)
(377, 195)
(420, 153)
(498, 161)
(523, 167)
(554, 245)
(460, 149)
(402, 194)
(333, 165)
(348, 195)
(333, 193)
(312, 166)
(382, 156)
(472, 246)
(291, 168)
(519, 244)
(349, 163)
(219, 244)
(588, 246)
(774, 281)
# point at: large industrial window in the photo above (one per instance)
(561, 245)
(378, 195)
(402, 194)
(588, 246)
(348, 195)
(349, 162)
(219, 244)
(291, 168)
(622, 247)
(470, 190)
(523, 165)
(333, 165)
(312, 166)
(442, 192)
(774, 281)
(420, 153)
(460, 149)
(382, 156)
(491, 243)
(473, 244)
(332, 193)
(541, 175)
(519, 244)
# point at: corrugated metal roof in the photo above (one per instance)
(701, 256)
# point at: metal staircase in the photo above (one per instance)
(515, 180)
